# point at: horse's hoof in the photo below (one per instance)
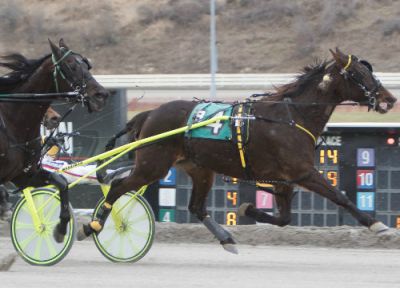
(378, 228)
(59, 237)
(84, 232)
(230, 248)
(242, 209)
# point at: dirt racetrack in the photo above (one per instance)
(185, 255)
(186, 265)
(340, 236)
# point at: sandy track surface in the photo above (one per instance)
(339, 237)
(206, 265)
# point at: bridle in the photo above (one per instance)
(370, 94)
(78, 85)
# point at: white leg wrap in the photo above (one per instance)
(242, 209)
(378, 227)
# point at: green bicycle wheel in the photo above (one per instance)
(38, 247)
(132, 238)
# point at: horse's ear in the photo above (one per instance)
(339, 57)
(340, 53)
(55, 50)
(62, 44)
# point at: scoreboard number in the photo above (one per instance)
(365, 157)
(365, 179)
(330, 175)
(329, 155)
(167, 215)
(170, 178)
(232, 196)
(366, 201)
(231, 218)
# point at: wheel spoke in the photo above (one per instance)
(38, 248)
(133, 244)
(25, 242)
(143, 234)
(52, 210)
(50, 247)
(21, 225)
(139, 219)
(121, 246)
(131, 208)
(136, 234)
(106, 244)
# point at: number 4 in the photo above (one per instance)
(216, 125)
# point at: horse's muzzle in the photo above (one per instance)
(97, 102)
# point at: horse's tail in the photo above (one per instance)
(132, 128)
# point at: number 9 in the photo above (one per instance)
(365, 156)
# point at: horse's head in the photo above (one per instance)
(363, 86)
(51, 119)
(71, 73)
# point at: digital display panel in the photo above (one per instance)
(328, 164)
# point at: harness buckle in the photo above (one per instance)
(371, 102)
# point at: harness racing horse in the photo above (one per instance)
(280, 148)
(50, 120)
(20, 141)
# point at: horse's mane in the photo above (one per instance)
(310, 75)
(21, 69)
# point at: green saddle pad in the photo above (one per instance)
(219, 130)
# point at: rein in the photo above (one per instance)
(302, 103)
(39, 97)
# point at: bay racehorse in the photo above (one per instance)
(20, 142)
(50, 121)
(280, 147)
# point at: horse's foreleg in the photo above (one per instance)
(315, 182)
(202, 182)
(283, 198)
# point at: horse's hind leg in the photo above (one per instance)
(283, 198)
(315, 182)
(202, 179)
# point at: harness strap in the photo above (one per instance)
(348, 63)
(307, 131)
(294, 124)
(239, 136)
(57, 69)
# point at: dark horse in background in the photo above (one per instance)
(20, 140)
(50, 121)
(281, 145)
